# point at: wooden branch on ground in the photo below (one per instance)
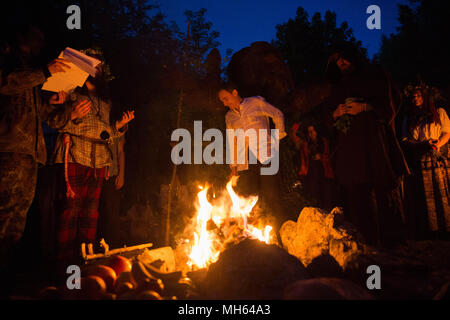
(91, 256)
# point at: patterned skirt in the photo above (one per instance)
(436, 182)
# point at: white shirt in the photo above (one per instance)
(433, 131)
(254, 113)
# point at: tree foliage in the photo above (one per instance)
(306, 44)
(145, 54)
(420, 48)
(198, 39)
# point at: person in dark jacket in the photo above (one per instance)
(367, 158)
(22, 147)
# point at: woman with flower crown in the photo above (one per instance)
(428, 129)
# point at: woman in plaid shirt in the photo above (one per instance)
(83, 145)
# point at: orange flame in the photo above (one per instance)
(207, 242)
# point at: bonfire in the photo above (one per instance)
(220, 221)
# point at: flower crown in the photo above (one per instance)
(96, 52)
(434, 92)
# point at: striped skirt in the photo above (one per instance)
(436, 182)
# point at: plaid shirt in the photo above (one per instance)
(87, 146)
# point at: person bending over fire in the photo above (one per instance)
(254, 113)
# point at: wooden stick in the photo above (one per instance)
(174, 170)
(109, 253)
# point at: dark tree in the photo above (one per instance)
(145, 56)
(420, 48)
(198, 41)
(307, 44)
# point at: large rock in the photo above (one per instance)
(252, 270)
(260, 70)
(318, 233)
(307, 97)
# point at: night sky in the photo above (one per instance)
(241, 22)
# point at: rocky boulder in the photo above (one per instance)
(260, 70)
(318, 233)
(252, 270)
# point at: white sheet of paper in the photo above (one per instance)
(81, 66)
(66, 81)
(81, 60)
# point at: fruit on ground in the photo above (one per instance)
(119, 264)
(106, 273)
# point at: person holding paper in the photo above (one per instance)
(84, 146)
(22, 147)
(81, 66)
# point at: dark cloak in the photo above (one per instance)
(369, 151)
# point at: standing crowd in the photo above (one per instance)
(380, 154)
(87, 155)
(389, 173)
(351, 155)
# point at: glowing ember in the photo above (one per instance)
(215, 224)
(260, 235)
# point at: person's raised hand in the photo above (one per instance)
(340, 111)
(127, 117)
(58, 65)
(81, 109)
(354, 108)
(58, 98)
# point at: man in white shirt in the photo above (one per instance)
(260, 175)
